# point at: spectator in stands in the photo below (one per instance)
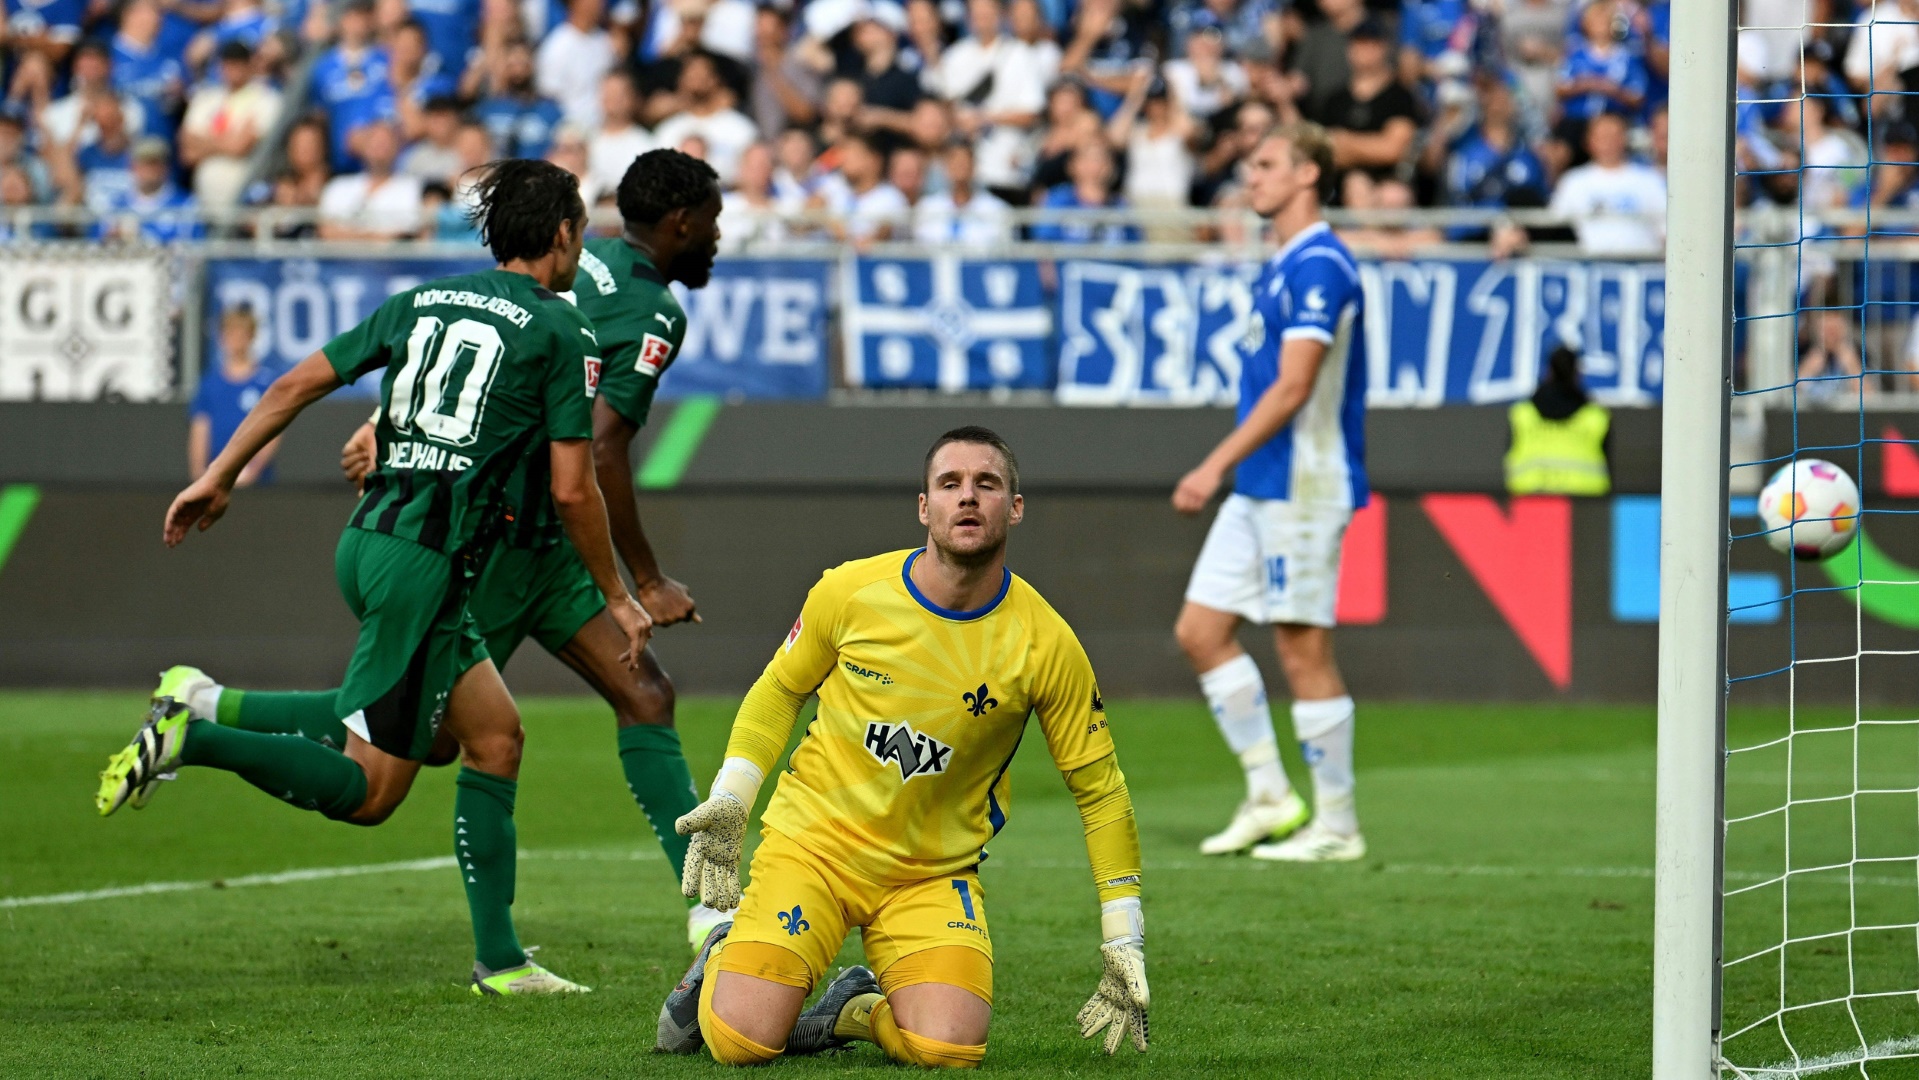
(1249, 29)
(709, 113)
(680, 27)
(1029, 27)
(1070, 123)
(151, 207)
(1835, 158)
(350, 81)
(1359, 191)
(1109, 42)
(1599, 75)
(244, 21)
(451, 31)
(16, 154)
(143, 69)
(751, 209)
(1559, 439)
(1203, 78)
(501, 26)
(839, 111)
(569, 152)
(227, 393)
(1373, 120)
(224, 123)
(906, 171)
(573, 58)
(16, 193)
(409, 84)
(1532, 36)
(964, 213)
(475, 145)
(40, 34)
(1217, 177)
(63, 120)
(862, 205)
(995, 87)
(1319, 57)
(611, 149)
(375, 203)
(519, 119)
(1885, 45)
(1617, 205)
(308, 161)
(435, 158)
(1485, 161)
(1895, 177)
(785, 90)
(888, 91)
(1436, 41)
(102, 170)
(794, 160)
(1153, 131)
(446, 220)
(1089, 186)
(1830, 371)
(929, 130)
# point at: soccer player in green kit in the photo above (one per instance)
(534, 584)
(480, 370)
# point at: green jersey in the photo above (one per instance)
(481, 369)
(640, 326)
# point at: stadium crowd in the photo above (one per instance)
(927, 118)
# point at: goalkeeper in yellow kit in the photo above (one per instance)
(928, 664)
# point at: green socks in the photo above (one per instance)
(657, 775)
(486, 846)
(308, 713)
(292, 769)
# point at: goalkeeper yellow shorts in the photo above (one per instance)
(804, 905)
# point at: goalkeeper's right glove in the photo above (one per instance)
(1119, 1005)
(718, 827)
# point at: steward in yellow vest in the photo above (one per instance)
(1559, 437)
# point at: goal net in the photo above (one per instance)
(1818, 834)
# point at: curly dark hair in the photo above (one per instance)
(662, 181)
(519, 205)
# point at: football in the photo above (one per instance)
(1811, 509)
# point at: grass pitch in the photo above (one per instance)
(1501, 926)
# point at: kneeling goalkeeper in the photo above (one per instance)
(927, 664)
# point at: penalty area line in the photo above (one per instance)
(294, 877)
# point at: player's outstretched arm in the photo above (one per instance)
(1299, 361)
(205, 500)
(718, 825)
(665, 600)
(1119, 1005)
(576, 498)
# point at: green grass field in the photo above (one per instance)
(1501, 926)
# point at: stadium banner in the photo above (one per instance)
(1438, 332)
(946, 323)
(757, 331)
(81, 327)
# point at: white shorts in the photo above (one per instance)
(1271, 561)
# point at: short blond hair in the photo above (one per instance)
(239, 313)
(1309, 142)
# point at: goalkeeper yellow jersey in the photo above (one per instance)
(902, 775)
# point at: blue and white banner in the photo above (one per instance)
(947, 322)
(1437, 332)
(758, 330)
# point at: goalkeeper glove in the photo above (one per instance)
(718, 827)
(1119, 1005)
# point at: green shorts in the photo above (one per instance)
(541, 593)
(416, 639)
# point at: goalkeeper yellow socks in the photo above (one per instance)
(727, 1045)
(658, 778)
(910, 1049)
(308, 713)
(294, 770)
(485, 843)
(1237, 695)
(1325, 730)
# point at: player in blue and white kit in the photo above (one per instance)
(1297, 460)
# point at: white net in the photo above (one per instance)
(1820, 896)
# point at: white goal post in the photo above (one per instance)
(1692, 542)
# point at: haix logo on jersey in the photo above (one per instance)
(424, 456)
(655, 351)
(592, 375)
(880, 677)
(915, 753)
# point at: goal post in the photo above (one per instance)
(1693, 544)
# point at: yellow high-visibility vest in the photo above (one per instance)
(1558, 457)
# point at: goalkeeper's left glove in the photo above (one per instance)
(1119, 1006)
(718, 827)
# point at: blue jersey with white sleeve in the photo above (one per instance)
(1309, 290)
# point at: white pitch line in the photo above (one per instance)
(290, 877)
(1891, 1048)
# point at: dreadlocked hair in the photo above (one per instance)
(662, 181)
(518, 205)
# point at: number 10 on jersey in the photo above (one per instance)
(440, 392)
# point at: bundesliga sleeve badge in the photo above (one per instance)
(654, 353)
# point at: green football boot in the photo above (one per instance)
(151, 757)
(181, 683)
